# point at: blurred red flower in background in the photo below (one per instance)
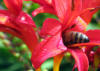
(18, 23)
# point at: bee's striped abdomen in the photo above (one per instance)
(75, 37)
(78, 37)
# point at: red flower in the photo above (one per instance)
(65, 9)
(73, 12)
(18, 23)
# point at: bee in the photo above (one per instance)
(73, 37)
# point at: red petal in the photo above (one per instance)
(29, 35)
(80, 59)
(87, 16)
(7, 21)
(43, 9)
(14, 6)
(76, 5)
(89, 4)
(49, 47)
(75, 15)
(25, 18)
(80, 25)
(10, 30)
(5, 12)
(86, 11)
(63, 8)
(43, 2)
(50, 27)
(7, 26)
(27, 0)
(19, 29)
(94, 35)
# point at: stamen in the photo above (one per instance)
(95, 8)
(85, 44)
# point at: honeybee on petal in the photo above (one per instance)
(73, 37)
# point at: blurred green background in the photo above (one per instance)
(14, 54)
